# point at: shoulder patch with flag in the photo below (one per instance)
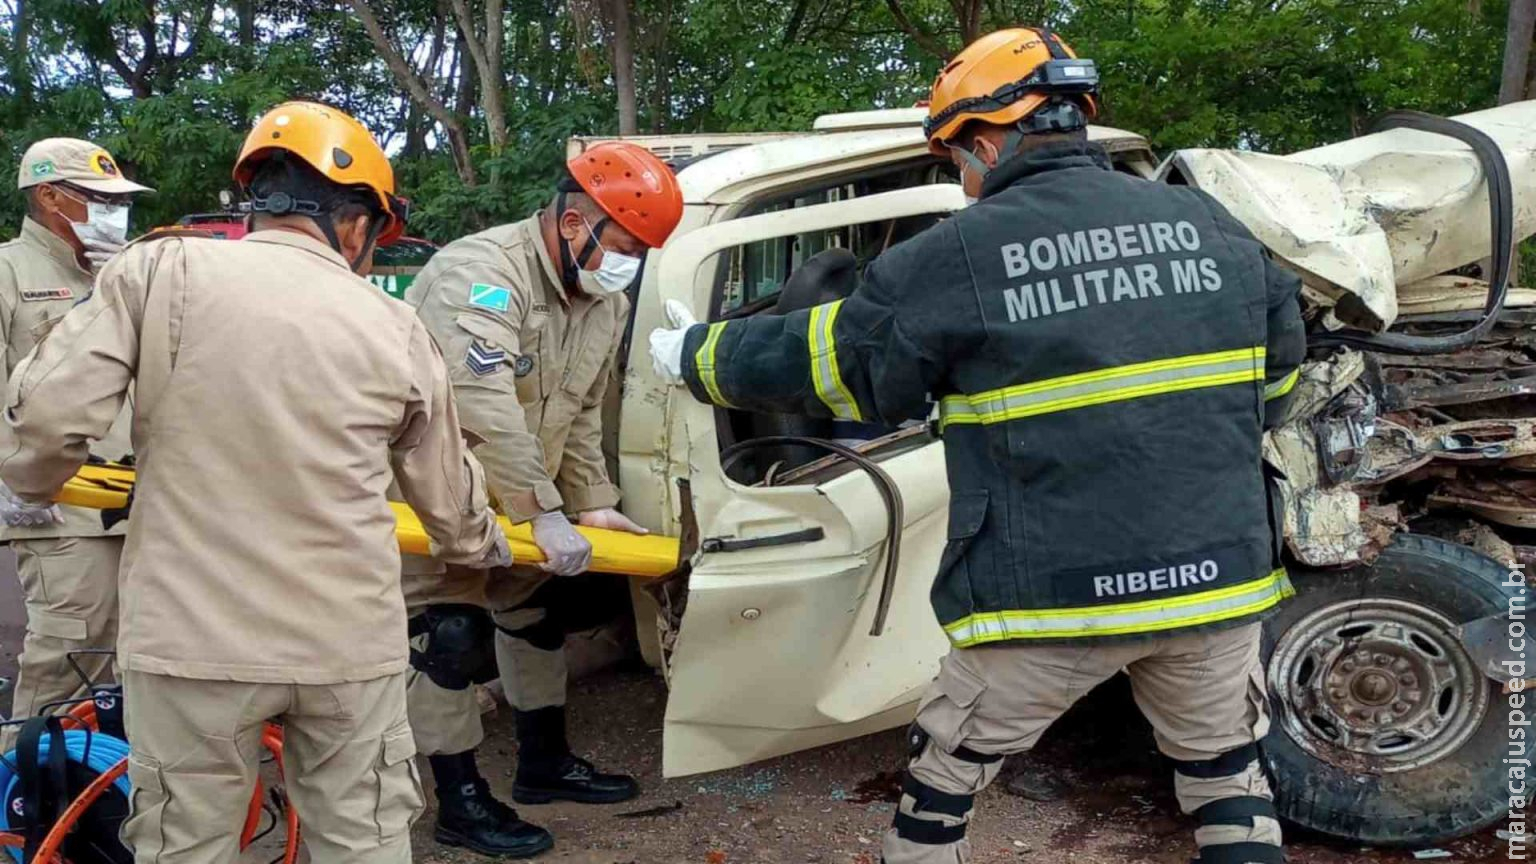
(483, 359)
(490, 297)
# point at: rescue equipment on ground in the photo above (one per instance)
(65, 789)
(109, 487)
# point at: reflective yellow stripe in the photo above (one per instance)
(1147, 616)
(1105, 385)
(1283, 386)
(704, 362)
(824, 372)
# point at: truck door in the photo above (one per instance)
(774, 652)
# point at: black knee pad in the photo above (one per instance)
(925, 832)
(459, 651)
(1239, 811)
(546, 634)
(931, 800)
(1241, 853)
(918, 738)
(1228, 764)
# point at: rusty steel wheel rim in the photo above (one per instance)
(1377, 685)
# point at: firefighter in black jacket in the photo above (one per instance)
(1105, 353)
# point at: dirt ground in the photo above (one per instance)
(829, 806)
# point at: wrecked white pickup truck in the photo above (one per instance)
(1409, 462)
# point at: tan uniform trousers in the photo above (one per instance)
(530, 646)
(196, 752)
(532, 677)
(70, 588)
(1202, 692)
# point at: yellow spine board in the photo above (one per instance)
(106, 487)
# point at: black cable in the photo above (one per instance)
(890, 494)
(270, 828)
(1502, 230)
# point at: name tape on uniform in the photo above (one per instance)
(492, 297)
(37, 295)
(1043, 294)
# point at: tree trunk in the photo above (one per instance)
(246, 12)
(925, 40)
(492, 80)
(487, 57)
(1517, 50)
(624, 67)
(464, 90)
(20, 67)
(401, 69)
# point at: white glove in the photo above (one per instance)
(667, 344)
(98, 249)
(607, 517)
(20, 514)
(567, 553)
(500, 553)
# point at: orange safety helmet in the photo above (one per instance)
(333, 143)
(634, 187)
(1004, 78)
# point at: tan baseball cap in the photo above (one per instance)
(79, 163)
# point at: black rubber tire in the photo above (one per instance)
(1461, 792)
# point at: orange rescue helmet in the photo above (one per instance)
(633, 186)
(1006, 77)
(333, 143)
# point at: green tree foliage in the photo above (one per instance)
(170, 85)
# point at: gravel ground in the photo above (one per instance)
(829, 806)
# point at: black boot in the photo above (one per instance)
(547, 770)
(469, 817)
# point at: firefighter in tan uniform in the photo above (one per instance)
(77, 217)
(278, 396)
(530, 316)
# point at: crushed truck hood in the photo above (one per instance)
(1367, 215)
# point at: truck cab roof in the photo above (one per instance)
(729, 168)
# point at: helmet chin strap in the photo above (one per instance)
(570, 264)
(328, 228)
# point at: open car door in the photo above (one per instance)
(774, 652)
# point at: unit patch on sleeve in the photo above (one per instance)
(492, 297)
(483, 359)
(38, 295)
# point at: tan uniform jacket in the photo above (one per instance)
(39, 281)
(530, 365)
(278, 394)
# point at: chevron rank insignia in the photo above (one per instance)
(483, 359)
(493, 297)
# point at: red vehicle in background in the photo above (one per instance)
(394, 266)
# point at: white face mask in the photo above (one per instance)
(969, 164)
(104, 225)
(613, 274)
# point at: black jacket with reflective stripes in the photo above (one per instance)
(1104, 351)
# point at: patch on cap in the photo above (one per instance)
(101, 163)
(44, 168)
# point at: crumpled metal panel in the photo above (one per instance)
(1322, 520)
(1454, 294)
(1363, 216)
